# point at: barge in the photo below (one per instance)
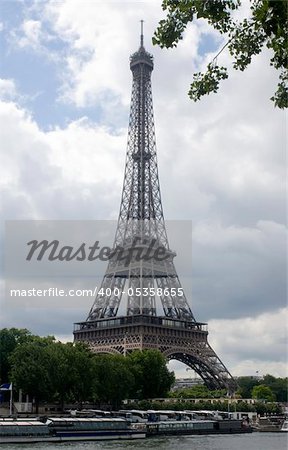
(67, 429)
(61, 429)
(190, 427)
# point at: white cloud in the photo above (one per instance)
(100, 36)
(43, 176)
(101, 155)
(32, 33)
(7, 89)
(29, 35)
(253, 344)
(33, 36)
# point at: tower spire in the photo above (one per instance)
(142, 36)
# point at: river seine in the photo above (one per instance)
(254, 441)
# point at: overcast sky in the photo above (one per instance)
(65, 91)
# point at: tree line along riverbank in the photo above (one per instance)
(55, 372)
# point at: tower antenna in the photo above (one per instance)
(142, 36)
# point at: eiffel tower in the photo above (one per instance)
(137, 281)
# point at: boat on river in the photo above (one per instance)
(268, 424)
(61, 429)
(190, 427)
(186, 422)
(132, 425)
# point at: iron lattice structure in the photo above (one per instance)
(141, 227)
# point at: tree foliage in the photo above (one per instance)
(47, 370)
(70, 372)
(31, 369)
(263, 392)
(258, 407)
(266, 26)
(152, 377)
(9, 340)
(199, 391)
(278, 387)
(246, 385)
(112, 379)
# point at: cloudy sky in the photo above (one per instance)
(65, 92)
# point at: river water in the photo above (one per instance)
(254, 441)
